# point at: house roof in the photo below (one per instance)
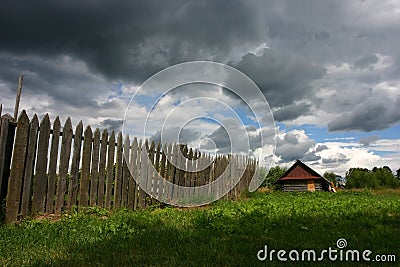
(300, 171)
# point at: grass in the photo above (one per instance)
(222, 234)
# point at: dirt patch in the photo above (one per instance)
(52, 217)
(265, 190)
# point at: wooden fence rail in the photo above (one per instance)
(44, 170)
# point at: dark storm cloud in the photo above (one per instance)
(128, 39)
(64, 81)
(320, 148)
(366, 141)
(125, 42)
(335, 160)
(327, 31)
(283, 79)
(174, 134)
(221, 139)
(112, 124)
(310, 157)
(291, 112)
(372, 114)
(366, 61)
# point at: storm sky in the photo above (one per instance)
(330, 70)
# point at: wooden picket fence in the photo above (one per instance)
(46, 170)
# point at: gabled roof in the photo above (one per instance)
(300, 171)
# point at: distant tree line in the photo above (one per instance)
(375, 178)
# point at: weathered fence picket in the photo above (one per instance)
(94, 177)
(102, 169)
(149, 176)
(142, 173)
(64, 162)
(118, 173)
(29, 163)
(133, 167)
(85, 173)
(39, 193)
(17, 169)
(55, 139)
(110, 170)
(156, 181)
(125, 172)
(7, 131)
(74, 173)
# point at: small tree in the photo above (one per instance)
(331, 177)
(385, 177)
(273, 175)
(360, 178)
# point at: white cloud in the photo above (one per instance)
(357, 155)
(293, 145)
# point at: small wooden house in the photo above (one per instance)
(300, 177)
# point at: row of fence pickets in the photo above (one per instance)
(43, 178)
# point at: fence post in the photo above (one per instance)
(110, 170)
(53, 166)
(85, 170)
(134, 165)
(125, 172)
(102, 168)
(18, 97)
(94, 178)
(118, 173)
(29, 163)
(39, 195)
(74, 173)
(168, 172)
(162, 172)
(6, 147)
(142, 173)
(17, 169)
(63, 168)
(150, 153)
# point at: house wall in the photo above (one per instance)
(302, 185)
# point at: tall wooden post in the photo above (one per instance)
(18, 98)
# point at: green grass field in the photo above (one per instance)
(222, 234)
